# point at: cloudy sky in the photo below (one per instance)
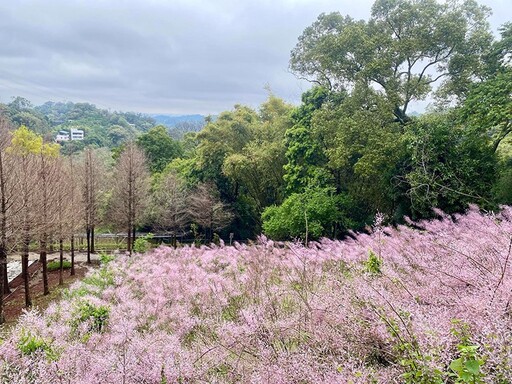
(161, 56)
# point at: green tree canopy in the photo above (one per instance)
(160, 148)
(450, 166)
(402, 51)
(314, 213)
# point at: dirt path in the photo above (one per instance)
(80, 257)
(15, 301)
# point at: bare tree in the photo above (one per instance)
(74, 214)
(90, 189)
(7, 199)
(46, 203)
(169, 208)
(130, 191)
(207, 210)
(25, 146)
(62, 195)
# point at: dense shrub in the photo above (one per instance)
(311, 214)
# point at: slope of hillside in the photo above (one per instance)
(423, 305)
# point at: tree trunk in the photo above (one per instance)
(4, 283)
(129, 241)
(133, 237)
(88, 235)
(43, 259)
(3, 272)
(5, 289)
(24, 270)
(72, 255)
(92, 239)
(61, 258)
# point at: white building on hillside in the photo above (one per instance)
(62, 136)
(76, 134)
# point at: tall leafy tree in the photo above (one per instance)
(225, 136)
(160, 148)
(450, 166)
(263, 155)
(403, 50)
(487, 109)
(305, 157)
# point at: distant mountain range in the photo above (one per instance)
(179, 125)
(174, 120)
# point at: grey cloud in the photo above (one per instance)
(182, 56)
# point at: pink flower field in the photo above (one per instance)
(425, 303)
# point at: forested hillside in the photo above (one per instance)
(102, 128)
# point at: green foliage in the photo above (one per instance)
(119, 135)
(106, 258)
(232, 310)
(101, 279)
(243, 153)
(97, 316)
(25, 142)
(198, 332)
(195, 232)
(394, 49)
(503, 186)
(467, 367)
(29, 344)
(415, 362)
(160, 148)
(247, 221)
(55, 265)
(450, 166)
(227, 135)
(102, 128)
(314, 213)
(216, 239)
(303, 152)
(22, 113)
(373, 264)
(95, 283)
(142, 244)
(488, 107)
(364, 149)
(418, 364)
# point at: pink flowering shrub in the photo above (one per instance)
(426, 303)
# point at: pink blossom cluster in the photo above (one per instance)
(393, 306)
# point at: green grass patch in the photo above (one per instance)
(55, 265)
